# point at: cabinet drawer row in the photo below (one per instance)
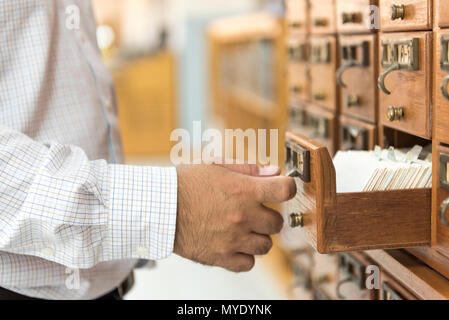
(390, 78)
(359, 16)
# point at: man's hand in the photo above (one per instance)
(221, 217)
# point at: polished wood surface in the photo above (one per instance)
(361, 81)
(298, 71)
(360, 10)
(410, 89)
(442, 13)
(323, 18)
(418, 15)
(297, 16)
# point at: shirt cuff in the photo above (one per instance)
(142, 206)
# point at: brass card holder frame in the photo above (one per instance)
(444, 62)
(355, 133)
(298, 162)
(444, 184)
(320, 126)
(320, 53)
(299, 53)
(398, 55)
(350, 59)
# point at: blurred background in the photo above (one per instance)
(179, 61)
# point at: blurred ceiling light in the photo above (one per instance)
(105, 37)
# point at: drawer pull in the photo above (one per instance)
(381, 81)
(342, 70)
(321, 22)
(296, 89)
(348, 17)
(319, 96)
(395, 113)
(397, 12)
(443, 212)
(352, 101)
(295, 25)
(444, 87)
(296, 220)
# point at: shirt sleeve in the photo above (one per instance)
(58, 205)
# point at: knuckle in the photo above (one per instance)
(266, 245)
(279, 224)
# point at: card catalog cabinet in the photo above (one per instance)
(406, 15)
(405, 82)
(441, 86)
(357, 76)
(356, 16)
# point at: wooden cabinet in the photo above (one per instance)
(357, 76)
(405, 82)
(297, 16)
(323, 66)
(323, 17)
(406, 15)
(342, 222)
(356, 16)
(298, 68)
(356, 135)
(441, 86)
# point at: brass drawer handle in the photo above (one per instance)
(321, 22)
(444, 87)
(443, 209)
(352, 101)
(296, 220)
(395, 113)
(348, 18)
(397, 12)
(295, 25)
(342, 70)
(296, 89)
(381, 81)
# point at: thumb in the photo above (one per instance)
(254, 170)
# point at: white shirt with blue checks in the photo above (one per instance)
(66, 207)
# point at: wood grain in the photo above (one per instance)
(360, 9)
(323, 10)
(322, 75)
(442, 13)
(418, 15)
(410, 89)
(361, 82)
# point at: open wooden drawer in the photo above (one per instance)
(342, 222)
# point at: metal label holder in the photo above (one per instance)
(298, 161)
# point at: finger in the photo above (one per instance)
(266, 221)
(256, 244)
(254, 170)
(274, 189)
(240, 262)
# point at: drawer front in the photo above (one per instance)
(442, 13)
(406, 15)
(356, 135)
(298, 69)
(343, 222)
(323, 66)
(405, 82)
(297, 16)
(352, 268)
(441, 72)
(323, 17)
(323, 127)
(441, 207)
(357, 76)
(356, 16)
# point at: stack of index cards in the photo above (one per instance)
(381, 170)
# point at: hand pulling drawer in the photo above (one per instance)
(405, 82)
(406, 15)
(356, 16)
(342, 222)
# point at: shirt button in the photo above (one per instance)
(49, 252)
(142, 251)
